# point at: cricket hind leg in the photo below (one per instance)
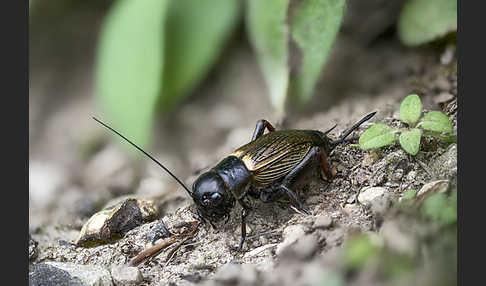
(299, 172)
(260, 127)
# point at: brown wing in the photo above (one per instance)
(273, 155)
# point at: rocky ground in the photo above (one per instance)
(361, 205)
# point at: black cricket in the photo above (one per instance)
(265, 168)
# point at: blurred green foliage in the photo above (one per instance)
(434, 231)
(314, 28)
(195, 34)
(130, 64)
(267, 30)
(312, 24)
(153, 53)
(360, 250)
(422, 21)
(409, 195)
(441, 208)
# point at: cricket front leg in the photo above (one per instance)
(244, 212)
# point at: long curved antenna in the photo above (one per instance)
(330, 129)
(341, 140)
(148, 155)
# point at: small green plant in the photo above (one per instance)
(433, 123)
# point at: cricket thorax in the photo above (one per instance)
(234, 174)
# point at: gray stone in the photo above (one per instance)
(381, 204)
(440, 186)
(335, 237)
(290, 235)
(305, 247)
(397, 238)
(445, 166)
(125, 275)
(50, 273)
(116, 220)
(370, 193)
(46, 275)
(323, 222)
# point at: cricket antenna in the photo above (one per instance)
(341, 139)
(148, 155)
(330, 129)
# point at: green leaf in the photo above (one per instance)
(267, 32)
(436, 121)
(441, 208)
(398, 265)
(443, 137)
(449, 139)
(359, 250)
(410, 194)
(410, 140)
(195, 35)
(314, 26)
(130, 64)
(410, 109)
(378, 135)
(421, 21)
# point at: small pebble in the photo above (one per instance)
(351, 199)
(411, 175)
(397, 175)
(125, 275)
(305, 247)
(397, 238)
(369, 159)
(323, 222)
(290, 235)
(368, 194)
(440, 186)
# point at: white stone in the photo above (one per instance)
(125, 275)
(368, 194)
